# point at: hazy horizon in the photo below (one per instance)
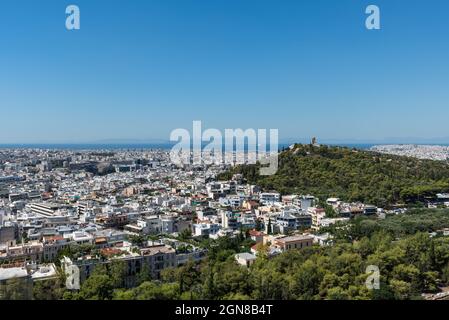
(281, 141)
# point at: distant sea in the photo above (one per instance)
(90, 146)
(163, 146)
(138, 146)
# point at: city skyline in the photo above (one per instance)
(137, 71)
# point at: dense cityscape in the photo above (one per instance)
(97, 208)
(432, 152)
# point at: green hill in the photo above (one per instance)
(352, 175)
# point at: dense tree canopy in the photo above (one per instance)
(416, 220)
(352, 175)
(410, 262)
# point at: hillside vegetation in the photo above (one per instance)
(352, 175)
(409, 261)
(409, 265)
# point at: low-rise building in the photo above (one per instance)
(294, 242)
(245, 259)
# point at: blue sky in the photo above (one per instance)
(139, 69)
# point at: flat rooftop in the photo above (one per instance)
(295, 238)
(10, 273)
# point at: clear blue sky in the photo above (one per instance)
(139, 69)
